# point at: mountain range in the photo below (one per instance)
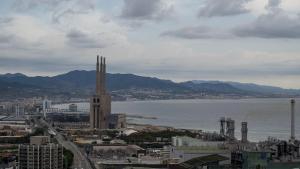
(81, 83)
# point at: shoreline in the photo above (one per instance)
(196, 99)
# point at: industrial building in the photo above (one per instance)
(185, 148)
(227, 128)
(180, 141)
(73, 107)
(11, 126)
(270, 154)
(100, 103)
(117, 121)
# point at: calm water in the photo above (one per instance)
(265, 117)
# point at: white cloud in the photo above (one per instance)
(71, 38)
(97, 28)
(27, 32)
(68, 34)
(258, 7)
(276, 23)
(291, 5)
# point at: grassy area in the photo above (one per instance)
(151, 138)
(10, 149)
(68, 158)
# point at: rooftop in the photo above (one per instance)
(204, 149)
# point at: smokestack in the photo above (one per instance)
(97, 76)
(222, 126)
(101, 75)
(292, 119)
(230, 129)
(104, 75)
(244, 131)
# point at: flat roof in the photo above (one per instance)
(206, 159)
(13, 118)
(200, 148)
(2, 117)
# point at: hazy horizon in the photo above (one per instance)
(152, 77)
(248, 41)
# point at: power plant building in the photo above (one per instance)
(100, 103)
(227, 128)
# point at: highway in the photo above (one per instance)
(80, 161)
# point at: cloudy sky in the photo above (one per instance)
(234, 40)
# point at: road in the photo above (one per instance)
(80, 161)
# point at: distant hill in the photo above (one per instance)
(81, 83)
(213, 87)
(86, 79)
(251, 87)
(264, 89)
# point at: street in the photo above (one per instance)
(80, 161)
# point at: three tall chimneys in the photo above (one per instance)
(100, 75)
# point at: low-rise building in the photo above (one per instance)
(117, 121)
(73, 107)
(115, 152)
(180, 141)
(39, 140)
(186, 148)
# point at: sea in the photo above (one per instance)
(266, 117)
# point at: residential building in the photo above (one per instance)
(40, 154)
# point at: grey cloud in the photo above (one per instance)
(25, 5)
(198, 32)
(5, 20)
(271, 26)
(5, 39)
(57, 8)
(82, 40)
(273, 3)
(214, 8)
(145, 9)
(275, 24)
(77, 7)
(56, 17)
(41, 64)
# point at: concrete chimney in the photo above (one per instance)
(222, 126)
(292, 119)
(230, 129)
(244, 131)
